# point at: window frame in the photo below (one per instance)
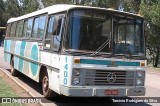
(24, 21)
(34, 26)
(17, 37)
(45, 27)
(8, 30)
(51, 38)
(14, 30)
(23, 37)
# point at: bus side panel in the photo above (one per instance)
(32, 67)
(17, 52)
(53, 72)
(66, 64)
(26, 58)
(7, 56)
(54, 80)
(29, 66)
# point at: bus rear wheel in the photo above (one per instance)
(45, 86)
(13, 70)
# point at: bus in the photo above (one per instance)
(79, 51)
(2, 35)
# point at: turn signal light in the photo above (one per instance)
(142, 64)
(76, 60)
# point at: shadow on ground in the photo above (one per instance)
(34, 85)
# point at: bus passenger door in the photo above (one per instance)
(56, 24)
(56, 40)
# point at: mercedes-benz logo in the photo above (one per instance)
(111, 77)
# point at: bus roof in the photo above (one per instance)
(60, 8)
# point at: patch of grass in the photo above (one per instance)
(6, 91)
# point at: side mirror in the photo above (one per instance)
(57, 26)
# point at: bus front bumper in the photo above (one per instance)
(100, 91)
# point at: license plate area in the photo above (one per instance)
(111, 92)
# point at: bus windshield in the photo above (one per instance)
(128, 37)
(88, 30)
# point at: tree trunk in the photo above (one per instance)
(157, 58)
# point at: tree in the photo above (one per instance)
(12, 9)
(15, 8)
(127, 5)
(150, 9)
(2, 9)
(28, 6)
(47, 3)
(123, 5)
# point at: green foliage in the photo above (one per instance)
(150, 9)
(47, 3)
(28, 6)
(11, 9)
(128, 5)
(2, 8)
(15, 8)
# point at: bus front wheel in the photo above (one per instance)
(45, 86)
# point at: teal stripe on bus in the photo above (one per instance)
(22, 51)
(122, 63)
(98, 62)
(7, 48)
(107, 62)
(17, 52)
(34, 56)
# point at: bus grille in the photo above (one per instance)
(109, 77)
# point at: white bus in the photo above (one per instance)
(79, 51)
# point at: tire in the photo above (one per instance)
(13, 70)
(45, 86)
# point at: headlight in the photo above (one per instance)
(139, 82)
(76, 81)
(139, 74)
(76, 72)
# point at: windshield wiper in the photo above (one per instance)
(101, 47)
(77, 52)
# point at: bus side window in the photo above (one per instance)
(19, 29)
(27, 28)
(49, 33)
(35, 27)
(53, 35)
(13, 29)
(8, 30)
(57, 32)
(39, 27)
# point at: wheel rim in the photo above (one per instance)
(45, 84)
